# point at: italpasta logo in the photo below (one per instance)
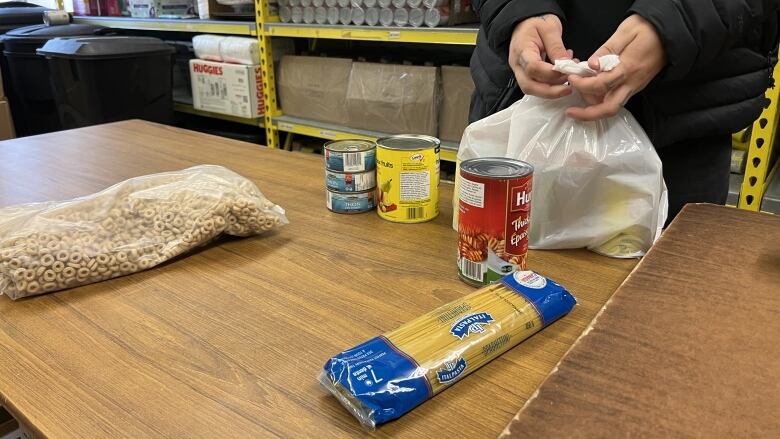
(451, 371)
(471, 324)
(417, 157)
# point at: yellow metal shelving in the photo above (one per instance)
(443, 35)
(189, 109)
(174, 25)
(322, 130)
(762, 140)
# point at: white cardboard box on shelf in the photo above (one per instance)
(223, 88)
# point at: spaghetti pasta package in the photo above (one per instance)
(389, 375)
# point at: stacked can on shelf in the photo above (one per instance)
(413, 13)
(350, 176)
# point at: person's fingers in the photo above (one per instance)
(528, 54)
(600, 84)
(609, 107)
(545, 90)
(543, 72)
(532, 64)
(536, 88)
(614, 45)
(553, 43)
(570, 53)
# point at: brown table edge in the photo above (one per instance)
(507, 432)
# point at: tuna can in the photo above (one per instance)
(494, 210)
(350, 202)
(408, 178)
(350, 155)
(349, 181)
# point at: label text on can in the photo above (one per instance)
(408, 184)
(357, 202)
(349, 181)
(493, 226)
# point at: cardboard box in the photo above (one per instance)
(223, 88)
(314, 87)
(6, 122)
(457, 88)
(161, 8)
(686, 347)
(393, 98)
(213, 9)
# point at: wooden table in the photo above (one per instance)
(687, 347)
(228, 342)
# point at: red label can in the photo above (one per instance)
(495, 214)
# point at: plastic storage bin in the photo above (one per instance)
(19, 14)
(26, 75)
(105, 79)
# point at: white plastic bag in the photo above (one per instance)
(596, 184)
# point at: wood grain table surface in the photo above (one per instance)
(229, 341)
(688, 347)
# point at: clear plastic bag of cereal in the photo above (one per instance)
(131, 226)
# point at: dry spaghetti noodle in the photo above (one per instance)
(387, 376)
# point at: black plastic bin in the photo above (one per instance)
(18, 14)
(26, 75)
(106, 79)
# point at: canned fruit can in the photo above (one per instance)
(408, 178)
(494, 209)
(351, 202)
(350, 155)
(350, 181)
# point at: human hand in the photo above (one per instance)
(534, 40)
(642, 57)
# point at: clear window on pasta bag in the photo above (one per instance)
(128, 227)
(597, 184)
(387, 376)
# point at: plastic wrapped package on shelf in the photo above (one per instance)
(345, 15)
(320, 15)
(416, 17)
(401, 17)
(308, 15)
(285, 14)
(333, 15)
(297, 15)
(358, 16)
(386, 17)
(372, 16)
(436, 17)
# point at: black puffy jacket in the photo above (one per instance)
(720, 58)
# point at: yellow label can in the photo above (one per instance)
(407, 174)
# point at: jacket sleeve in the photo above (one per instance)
(696, 32)
(499, 18)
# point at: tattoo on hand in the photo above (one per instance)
(522, 62)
